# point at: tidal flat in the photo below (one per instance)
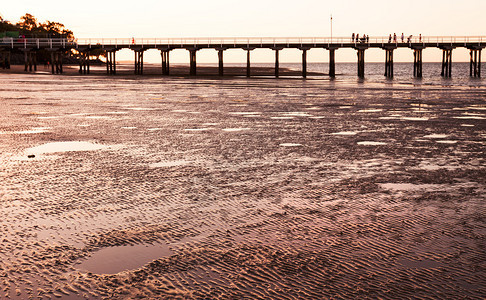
(179, 188)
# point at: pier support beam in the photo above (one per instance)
(332, 63)
(248, 67)
(111, 62)
(277, 67)
(361, 63)
(475, 62)
(417, 63)
(5, 59)
(34, 60)
(446, 62)
(193, 63)
(220, 62)
(56, 62)
(84, 62)
(165, 62)
(30, 61)
(389, 63)
(304, 62)
(139, 62)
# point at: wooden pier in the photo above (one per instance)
(58, 47)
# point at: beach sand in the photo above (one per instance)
(179, 188)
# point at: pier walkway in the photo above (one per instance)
(84, 48)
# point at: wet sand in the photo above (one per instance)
(122, 188)
(177, 70)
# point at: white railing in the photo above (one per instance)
(212, 41)
(36, 43)
(239, 41)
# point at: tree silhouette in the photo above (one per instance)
(27, 22)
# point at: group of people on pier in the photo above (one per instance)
(356, 38)
(409, 38)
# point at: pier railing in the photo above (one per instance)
(228, 41)
(36, 42)
(201, 41)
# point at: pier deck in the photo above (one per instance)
(86, 47)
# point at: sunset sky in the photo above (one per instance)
(257, 18)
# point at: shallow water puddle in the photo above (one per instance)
(139, 108)
(435, 136)
(344, 133)
(471, 118)
(370, 110)
(296, 114)
(235, 129)
(167, 164)
(197, 129)
(64, 147)
(33, 130)
(243, 113)
(477, 107)
(116, 259)
(416, 119)
(371, 143)
(290, 145)
(413, 187)
(446, 142)
(281, 118)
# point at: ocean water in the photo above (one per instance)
(403, 73)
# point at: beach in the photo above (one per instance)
(122, 187)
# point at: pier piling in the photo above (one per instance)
(165, 62)
(248, 62)
(417, 63)
(5, 59)
(220, 64)
(304, 63)
(84, 62)
(475, 62)
(446, 62)
(332, 63)
(389, 63)
(139, 62)
(193, 63)
(111, 62)
(56, 62)
(277, 67)
(361, 63)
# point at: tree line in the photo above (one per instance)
(29, 26)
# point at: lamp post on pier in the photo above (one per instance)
(331, 28)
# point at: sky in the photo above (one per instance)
(261, 18)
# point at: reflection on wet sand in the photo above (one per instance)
(181, 188)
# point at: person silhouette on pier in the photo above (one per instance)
(352, 38)
(389, 38)
(403, 38)
(420, 37)
(357, 37)
(394, 37)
